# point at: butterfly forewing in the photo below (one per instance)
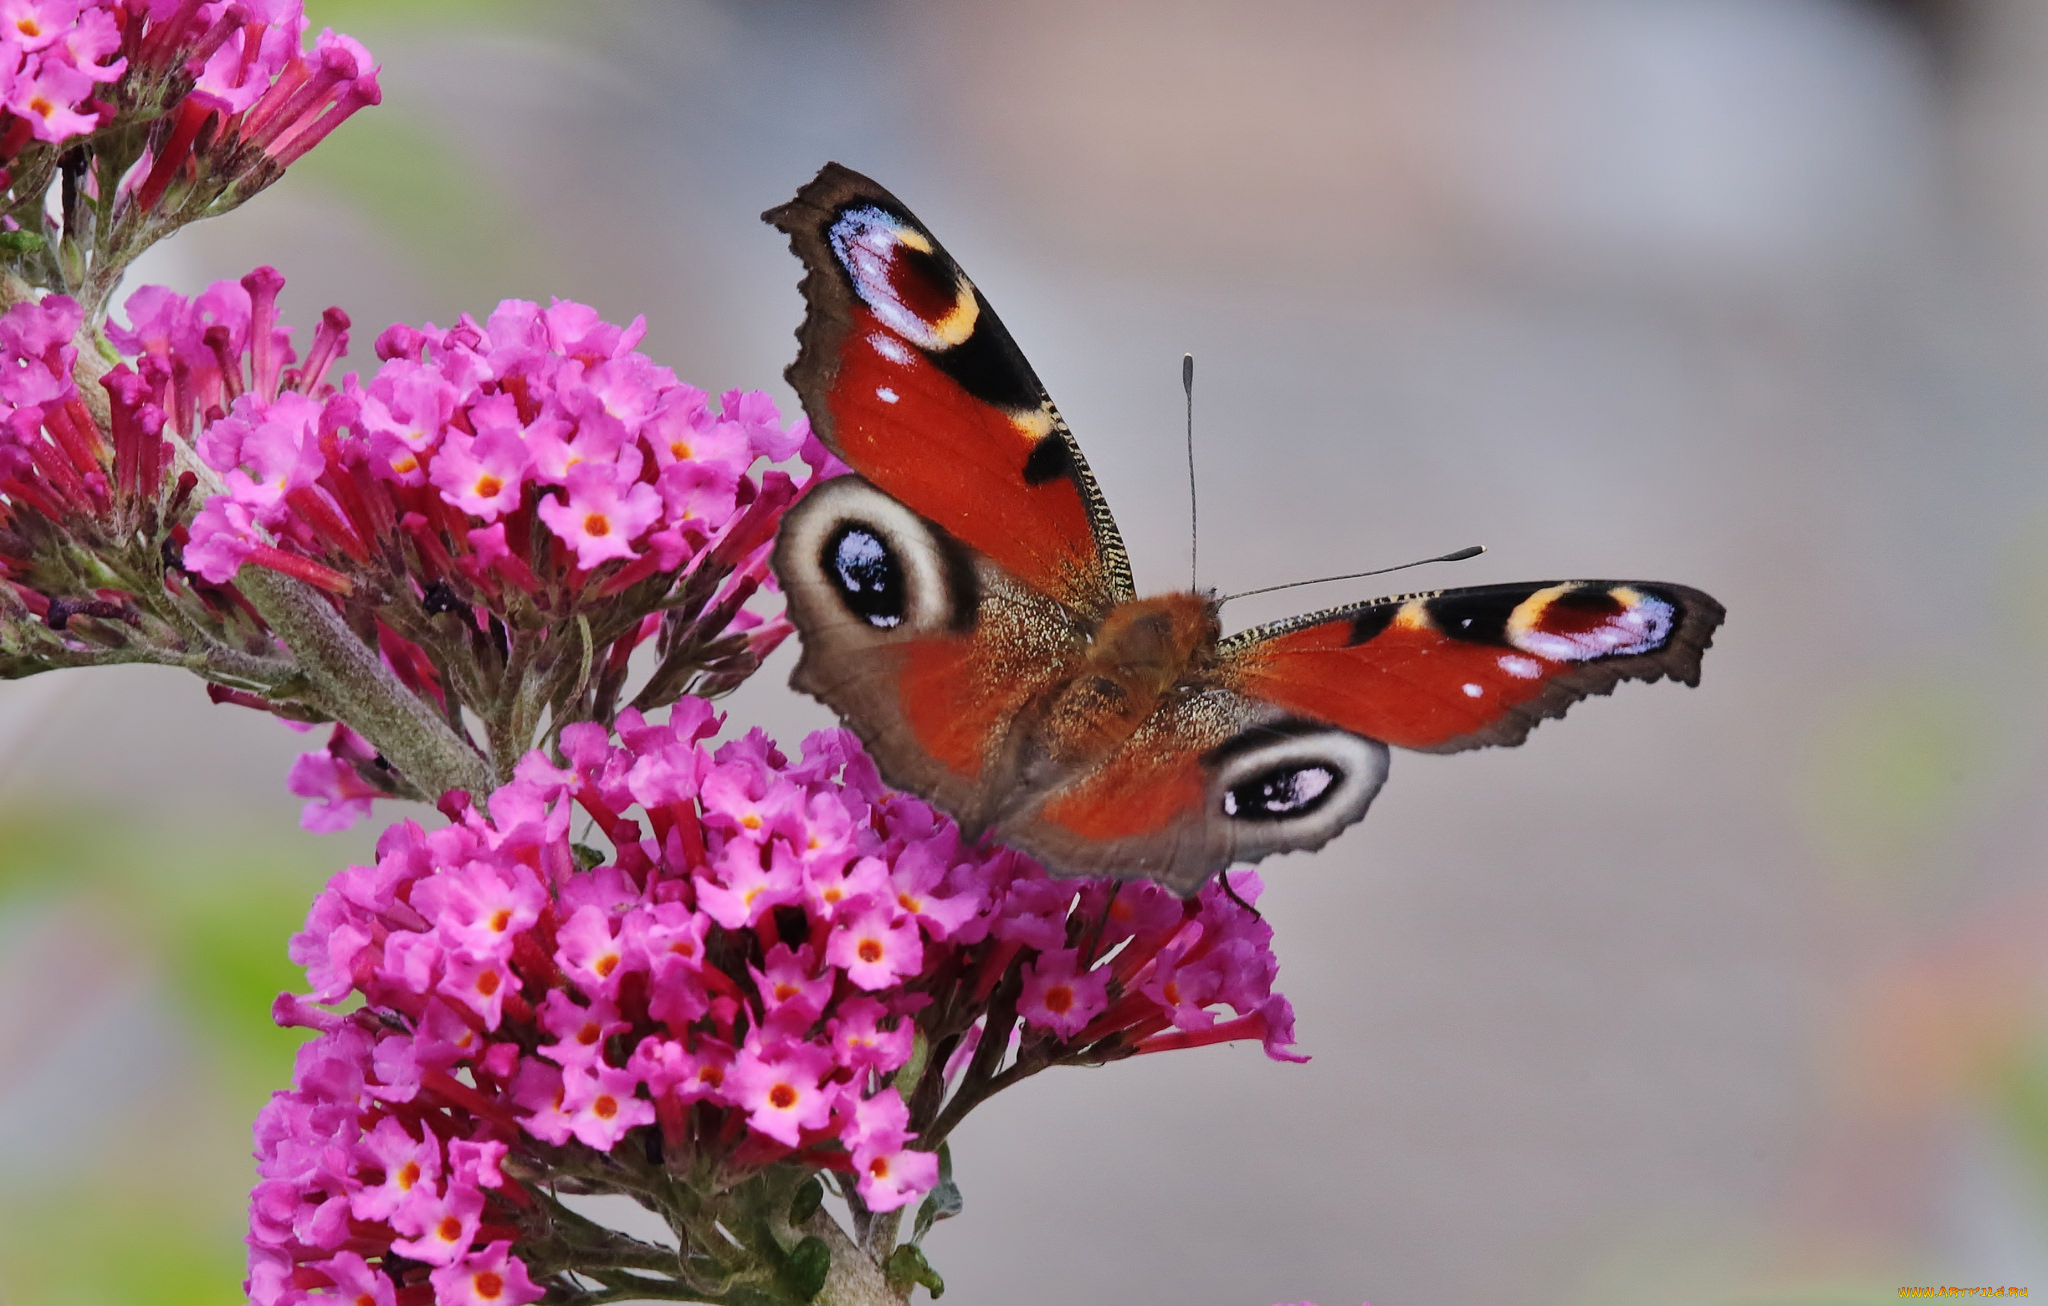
(910, 377)
(1463, 668)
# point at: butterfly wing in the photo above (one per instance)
(1464, 668)
(909, 376)
(1210, 780)
(1283, 743)
(928, 650)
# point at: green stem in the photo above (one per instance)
(349, 681)
(353, 683)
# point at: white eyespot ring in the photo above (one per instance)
(847, 532)
(1294, 784)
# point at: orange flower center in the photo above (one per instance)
(782, 1097)
(870, 950)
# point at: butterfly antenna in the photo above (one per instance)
(1187, 385)
(1470, 551)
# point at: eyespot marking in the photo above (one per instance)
(1282, 793)
(1578, 623)
(1292, 783)
(866, 575)
(898, 273)
(850, 551)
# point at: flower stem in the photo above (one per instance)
(854, 1279)
(361, 691)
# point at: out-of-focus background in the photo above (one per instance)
(1719, 997)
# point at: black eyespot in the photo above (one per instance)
(869, 578)
(1281, 794)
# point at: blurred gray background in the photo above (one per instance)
(1731, 995)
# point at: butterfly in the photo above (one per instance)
(965, 605)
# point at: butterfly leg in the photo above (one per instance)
(1101, 923)
(1231, 893)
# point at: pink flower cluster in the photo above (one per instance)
(232, 73)
(61, 473)
(52, 456)
(742, 983)
(54, 57)
(537, 451)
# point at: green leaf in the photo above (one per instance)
(586, 856)
(907, 1267)
(942, 1203)
(21, 242)
(808, 1199)
(804, 1272)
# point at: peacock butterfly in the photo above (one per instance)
(966, 605)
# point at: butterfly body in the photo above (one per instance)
(966, 606)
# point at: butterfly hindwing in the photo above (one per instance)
(1211, 779)
(909, 377)
(1465, 668)
(930, 651)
